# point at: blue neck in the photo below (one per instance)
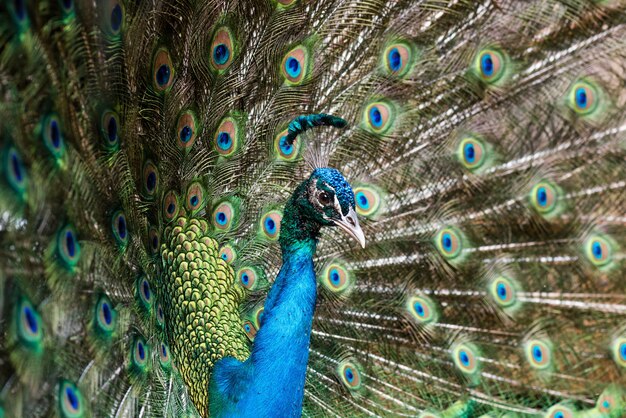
(271, 381)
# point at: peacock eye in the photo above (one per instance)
(324, 198)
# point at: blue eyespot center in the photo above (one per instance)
(141, 351)
(419, 309)
(349, 374)
(67, 4)
(106, 312)
(155, 242)
(334, 277)
(71, 397)
(55, 134)
(16, 165)
(542, 196)
(31, 321)
(224, 257)
(224, 141)
(395, 59)
(606, 404)
(221, 218)
(581, 97)
(559, 415)
(194, 200)
(245, 278)
(221, 54)
(121, 227)
(622, 351)
(247, 327)
(376, 117)
(596, 249)
(362, 200)
(270, 225)
(116, 18)
(151, 181)
(469, 152)
(163, 350)
(163, 75)
(185, 134)
(486, 65)
(171, 208)
(285, 147)
(537, 353)
(146, 290)
(112, 130)
(20, 9)
(293, 67)
(69, 242)
(447, 242)
(464, 358)
(501, 289)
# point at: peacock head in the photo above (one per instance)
(326, 199)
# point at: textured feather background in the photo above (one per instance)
(486, 146)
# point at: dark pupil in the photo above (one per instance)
(270, 224)
(293, 65)
(163, 350)
(581, 96)
(220, 53)
(538, 353)
(106, 311)
(121, 227)
(170, 208)
(69, 242)
(324, 198)
(464, 358)
(30, 319)
(469, 152)
(597, 250)
(112, 129)
(419, 309)
(67, 4)
(17, 170)
(376, 117)
(142, 353)
(151, 181)
(221, 217)
(447, 242)
(71, 396)
(20, 10)
(334, 277)
(224, 138)
(501, 291)
(163, 75)
(622, 350)
(146, 290)
(245, 278)
(488, 64)
(363, 200)
(55, 134)
(194, 200)
(155, 242)
(395, 59)
(542, 196)
(116, 17)
(185, 134)
(349, 374)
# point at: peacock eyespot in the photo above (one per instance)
(283, 150)
(397, 59)
(228, 254)
(70, 400)
(68, 6)
(295, 65)
(248, 277)
(270, 225)
(465, 358)
(350, 375)
(153, 238)
(150, 179)
(14, 171)
(422, 309)
(250, 330)
(503, 292)
(117, 16)
(109, 126)
(140, 353)
(195, 197)
(599, 250)
(449, 242)
(378, 117)
(120, 229)
(258, 317)
(68, 247)
(52, 135)
(223, 216)
(472, 152)
(544, 197)
(29, 327)
(160, 315)
(105, 315)
(368, 200)
(490, 65)
(144, 293)
(164, 356)
(618, 349)
(170, 206)
(222, 49)
(227, 137)
(584, 97)
(163, 70)
(539, 354)
(560, 411)
(186, 130)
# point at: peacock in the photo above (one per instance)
(316, 208)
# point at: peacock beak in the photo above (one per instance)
(350, 224)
